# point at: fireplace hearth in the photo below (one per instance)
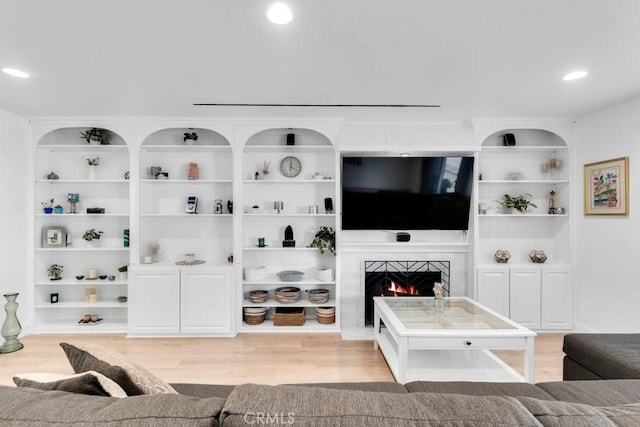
(402, 278)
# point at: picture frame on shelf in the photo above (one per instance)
(54, 236)
(606, 187)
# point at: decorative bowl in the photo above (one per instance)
(255, 310)
(112, 278)
(80, 277)
(318, 296)
(102, 276)
(122, 298)
(258, 297)
(291, 275)
(254, 272)
(287, 294)
(325, 274)
(326, 311)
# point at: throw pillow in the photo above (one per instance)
(133, 379)
(91, 382)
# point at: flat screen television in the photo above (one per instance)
(406, 193)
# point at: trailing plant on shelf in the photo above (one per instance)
(55, 271)
(192, 136)
(325, 240)
(91, 234)
(520, 202)
(96, 134)
(47, 206)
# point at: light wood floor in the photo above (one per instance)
(256, 358)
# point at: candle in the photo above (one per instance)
(93, 273)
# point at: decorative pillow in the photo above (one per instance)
(133, 379)
(91, 382)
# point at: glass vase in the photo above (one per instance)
(11, 327)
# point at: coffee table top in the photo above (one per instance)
(418, 314)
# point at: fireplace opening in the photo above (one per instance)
(402, 279)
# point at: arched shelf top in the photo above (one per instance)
(71, 138)
(525, 138)
(276, 138)
(171, 138)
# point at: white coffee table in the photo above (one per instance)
(453, 344)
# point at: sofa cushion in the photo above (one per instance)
(571, 371)
(566, 414)
(478, 388)
(384, 386)
(203, 390)
(133, 379)
(611, 356)
(315, 406)
(25, 406)
(90, 382)
(599, 393)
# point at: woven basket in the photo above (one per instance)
(254, 319)
(324, 319)
(318, 296)
(287, 294)
(258, 297)
(285, 316)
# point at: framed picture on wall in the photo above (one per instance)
(606, 187)
(54, 236)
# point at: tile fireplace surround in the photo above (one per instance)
(352, 291)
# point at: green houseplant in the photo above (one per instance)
(325, 240)
(91, 234)
(55, 271)
(97, 135)
(518, 203)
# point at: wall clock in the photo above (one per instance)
(290, 166)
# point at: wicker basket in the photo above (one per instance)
(288, 316)
(258, 297)
(287, 294)
(324, 319)
(318, 296)
(254, 318)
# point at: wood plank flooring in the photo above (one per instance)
(255, 358)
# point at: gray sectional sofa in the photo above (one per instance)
(149, 402)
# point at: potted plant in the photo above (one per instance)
(55, 271)
(190, 138)
(47, 206)
(98, 135)
(325, 239)
(517, 204)
(91, 235)
(122, 272)
(58, 209)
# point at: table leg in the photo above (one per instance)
(376, 327)
(529, 358)
(403, 360)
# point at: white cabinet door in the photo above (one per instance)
(206, 301)
(525, 296)
(154, 301)
(493, 289)
(557, 299)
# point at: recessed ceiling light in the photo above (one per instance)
(574, 75)
(15, 72)
(279, 13)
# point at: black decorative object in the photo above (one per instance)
(509, 139)
(230, 206)
(291, 139)
(328, 205)
(288, 241)
(402, 236)
(95, 210)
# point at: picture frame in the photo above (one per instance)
(54, 236)
(606, 187)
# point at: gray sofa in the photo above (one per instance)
(575, 403)
(601, 356)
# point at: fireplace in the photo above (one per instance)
(402, 278)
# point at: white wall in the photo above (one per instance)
(607, 249)
(15, 166)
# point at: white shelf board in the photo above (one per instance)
(287, 148)
(527, 215)
(82, 181)
(302, 303)
(81, 282)
(185, 181)
(90, 148)
(277, 248)
(82, 249)
(272, 280)
(285, 214)
(287, 181)
(184, 148)
(522, 148)
(523, 181)
(80, 215)
(309, 326)
(73, 327)
(78, 304)
(185, 215)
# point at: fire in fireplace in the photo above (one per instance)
(402, 278)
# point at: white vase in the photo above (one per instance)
(515, 211)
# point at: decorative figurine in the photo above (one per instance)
(537, 256)
(52, 176)
(194, 171)
(552, 203)
(73, 198)
(288, 241)
(230, 206)
(502, 256)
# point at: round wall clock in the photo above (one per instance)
(290, 166)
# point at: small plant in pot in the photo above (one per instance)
(518, 204)
(96, 135)
(91, 235)
(47, 206)
(325, 240)
(190, 137)
(122, 272)
(54, 271)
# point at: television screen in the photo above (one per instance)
(406, 193)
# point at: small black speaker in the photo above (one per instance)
(291, 139)
(403, 237)
(509, 139)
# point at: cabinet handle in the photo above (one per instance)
(467, 342)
